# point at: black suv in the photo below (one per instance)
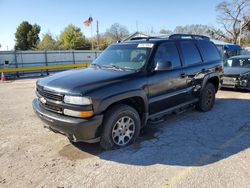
(128, 85)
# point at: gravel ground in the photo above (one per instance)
(192, 149)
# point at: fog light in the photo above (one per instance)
(83, 114)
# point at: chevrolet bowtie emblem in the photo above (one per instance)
(43, 100)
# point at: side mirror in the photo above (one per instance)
(163, 65)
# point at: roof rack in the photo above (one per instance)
(188, 36)
(138, 38)
(173, 37)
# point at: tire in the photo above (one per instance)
(207, 98)
(121, 126)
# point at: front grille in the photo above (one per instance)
(50, 95)
(53, 108)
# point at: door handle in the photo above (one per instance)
(183, 75)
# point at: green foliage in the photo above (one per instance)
(27, 36)
(101, 43)
(48, 43)
(73, 38)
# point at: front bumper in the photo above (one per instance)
(231, 82)
(76, 129)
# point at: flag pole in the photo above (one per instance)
(97, 32)
(91, 36)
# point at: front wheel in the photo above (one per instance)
(207, 98)
(121, 127)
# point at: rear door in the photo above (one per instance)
(193, 68)
(166, 88)
(200, 57)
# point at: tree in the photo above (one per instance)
(117, 32)
(73, 38)
(102, 43)
(48, 43)
(27, 36)
(197, 29)
(234, 16)
(246, 40)
(166, 32)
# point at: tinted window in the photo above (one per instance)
(168, 52)
(209, 51)
(190, 52)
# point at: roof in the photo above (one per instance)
(135, 35)
(241, 57)
(140, 38)
(139, 35)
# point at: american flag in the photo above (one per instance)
(88, 21)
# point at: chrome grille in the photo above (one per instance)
(50, 95)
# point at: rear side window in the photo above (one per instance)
(209, 51)
(168, 52)
(190, 52)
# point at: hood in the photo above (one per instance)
(235, 70)
(78, 81)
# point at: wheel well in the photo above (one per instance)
(215, 82)
(136, 102)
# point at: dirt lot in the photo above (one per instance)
(192, 149)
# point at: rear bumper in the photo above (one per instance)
(76, 129)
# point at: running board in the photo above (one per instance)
(172, 109)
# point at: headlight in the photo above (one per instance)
(77, 100)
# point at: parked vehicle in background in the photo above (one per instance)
(130, 84)
(237, 72)
(227, 50)
(245, 51)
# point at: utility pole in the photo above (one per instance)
(97, 34)
(240, 31)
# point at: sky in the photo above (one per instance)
(54, 15)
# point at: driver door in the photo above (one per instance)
(166, 89)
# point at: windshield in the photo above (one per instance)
(238, 62)
(124, 56)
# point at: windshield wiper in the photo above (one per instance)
(95, 64)
(114, 66)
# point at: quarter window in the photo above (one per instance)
(209, 51)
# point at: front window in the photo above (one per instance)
(238, 62)
(124, 56)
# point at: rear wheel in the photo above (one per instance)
(121, 127)
(207, 98)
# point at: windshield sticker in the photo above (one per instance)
(145, 45)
